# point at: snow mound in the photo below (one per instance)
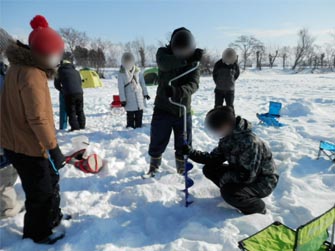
(296, 109)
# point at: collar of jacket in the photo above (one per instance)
(123, 70)
(20, 54)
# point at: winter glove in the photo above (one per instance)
(186, 149)
(147, 97)
(57, 157)
(169, 91)
(123, 103)
(197, 55)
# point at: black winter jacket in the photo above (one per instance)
(68, 80)
(169, 66)
(225, 76)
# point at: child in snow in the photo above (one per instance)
(9, 205)
(176, 58)
(68, 82)
(132, 90)
(250, 173)
(29, 138)
(226, 72)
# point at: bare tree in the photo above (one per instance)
(247, 45)
(303, 48)
(73, 38)
(260, 51)
(272, 58)
(284, 53)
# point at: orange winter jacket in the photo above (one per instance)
(26, 118)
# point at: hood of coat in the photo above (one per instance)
(242, 126)
(20, 54)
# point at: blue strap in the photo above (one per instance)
(52, 164)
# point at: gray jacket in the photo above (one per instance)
(225, 76)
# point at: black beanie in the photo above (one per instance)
(220, 116)
(181, 38)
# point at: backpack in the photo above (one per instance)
(91, 164)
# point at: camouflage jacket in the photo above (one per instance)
(250, 159)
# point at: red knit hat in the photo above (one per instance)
(43, 39)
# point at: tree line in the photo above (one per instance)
(98, 53)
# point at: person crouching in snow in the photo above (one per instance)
(132, 90)
(28, 131)
(174, 59)
(250, 174)
(226, 72)
(69, 83)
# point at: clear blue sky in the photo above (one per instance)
(214, 23)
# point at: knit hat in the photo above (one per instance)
(182, 42)
(43, 39)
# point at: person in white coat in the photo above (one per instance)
(132, 90)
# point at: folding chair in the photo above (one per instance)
(271, 118)
(309, 237)
(328, 149)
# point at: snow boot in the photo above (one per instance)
(57, 234)
(155, 162)
(180, 164)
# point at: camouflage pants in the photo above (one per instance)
(245, 197)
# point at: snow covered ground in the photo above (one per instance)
(117, 210)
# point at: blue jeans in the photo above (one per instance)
(162, 124)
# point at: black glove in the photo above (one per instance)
(123, 103)
(186, 149)
(197, 55)
(169, 91)
(57, 157)
(147, 97)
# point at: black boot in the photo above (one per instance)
(180, 164)
(155, 162)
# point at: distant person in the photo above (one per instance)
(28, 132)
(9, 205)
(174, 59)
(132, 90)
(69, 83)
(226, 72)
(250, 173)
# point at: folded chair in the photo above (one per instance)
(327, 149)
(271, 118)
(309, 237)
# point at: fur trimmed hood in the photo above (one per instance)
(20, 54)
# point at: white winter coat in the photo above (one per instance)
(132, 88)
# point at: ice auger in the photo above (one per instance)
(188, 166)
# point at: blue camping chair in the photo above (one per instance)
(327, 149)
(271, 118)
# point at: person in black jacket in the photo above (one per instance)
(174, 59)
(226, 72)
(69, 83)
(250, 174)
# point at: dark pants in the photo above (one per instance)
(221, 96)
(162, 125)
(245, 197)
(62, 112)
(40, 184)
(134, 119)
(75, 110)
